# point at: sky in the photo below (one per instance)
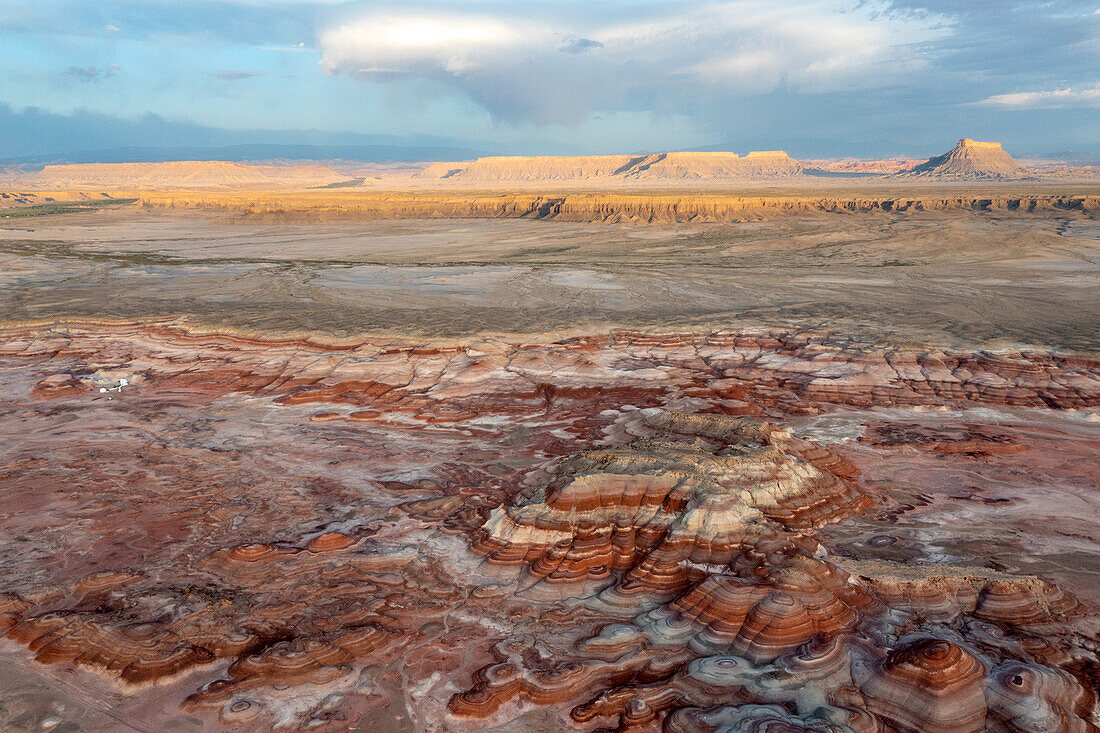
(814, 77)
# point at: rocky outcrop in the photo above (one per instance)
(971, 160)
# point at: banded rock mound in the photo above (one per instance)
(695, 492)
(971, 159)
(699, 535)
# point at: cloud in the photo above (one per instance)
(580, 45)
(1054, 99)
(229, 75)
(89, 74)
(421, 43)
(545, 67)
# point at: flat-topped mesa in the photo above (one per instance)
(442, 169)
(694, 166)
(185, 173)
(978, 144)
(971, 159)
(536, 168)
(716, 166)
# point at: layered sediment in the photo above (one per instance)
(754, 613)
(592, 207)
(793, 368)
(624, 529)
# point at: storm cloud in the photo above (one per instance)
(530, 67)
(815, 76)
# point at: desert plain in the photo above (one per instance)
(787, 454)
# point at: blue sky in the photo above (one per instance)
(818, 77)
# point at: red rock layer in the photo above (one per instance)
(930, 686)
(697, 510)
(278, 532)
(801, 631)
(791, 370)
(136, 653)
(696, 494)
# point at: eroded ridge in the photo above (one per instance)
(587, 207)
(792, 369)
(702, 527)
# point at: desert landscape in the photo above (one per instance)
(676, 441)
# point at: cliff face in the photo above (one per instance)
(971, 159)
(589, 207)
(655, 167)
